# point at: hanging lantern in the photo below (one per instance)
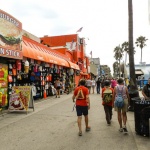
(26, 67)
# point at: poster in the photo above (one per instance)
(20, 98)
(3, 84)
(3, 75)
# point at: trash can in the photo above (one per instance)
(145, 115)
(141, 116)
(149, 127)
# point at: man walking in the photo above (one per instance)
(81, 94)
(98, 85)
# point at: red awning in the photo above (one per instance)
(41, 54)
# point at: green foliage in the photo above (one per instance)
(141, 42)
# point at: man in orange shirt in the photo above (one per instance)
(81, 94)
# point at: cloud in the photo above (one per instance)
(104, 22)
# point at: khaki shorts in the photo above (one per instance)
(124, 108)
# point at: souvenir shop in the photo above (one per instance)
(39, 74)
(25, 62)
(29, 72)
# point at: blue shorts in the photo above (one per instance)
(82, 110)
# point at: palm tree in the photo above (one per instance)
(118, 55)
(140, 42)
(115, 68)
(131, 49)
(125, 48)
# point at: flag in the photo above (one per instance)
(80, 29)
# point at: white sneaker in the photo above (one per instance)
(121, 129)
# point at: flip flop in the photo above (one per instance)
(80, 133)
(88, 129)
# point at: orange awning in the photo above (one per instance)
(45, 56)
(73, 65)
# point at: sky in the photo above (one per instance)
(104, 22)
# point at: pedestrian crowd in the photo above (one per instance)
(114, 94)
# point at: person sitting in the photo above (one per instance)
(146, 90)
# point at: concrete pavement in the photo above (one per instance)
(52, 126)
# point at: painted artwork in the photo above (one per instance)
(20, 97)
(10, 36)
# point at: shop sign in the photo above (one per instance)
(10, 53)
(10, 36)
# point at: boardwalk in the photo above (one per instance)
(52, 126)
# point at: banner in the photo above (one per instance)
(10, 36)
(20, 98)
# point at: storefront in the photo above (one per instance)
(25, 62)
(50, 66)
(10, 54)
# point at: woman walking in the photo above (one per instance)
(122, 90)
(93, 84)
